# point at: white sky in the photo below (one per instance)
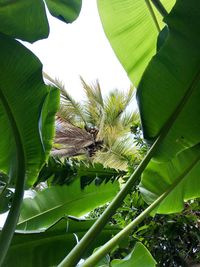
(80, 48)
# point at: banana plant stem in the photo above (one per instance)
(102, 251)
(99, 254)
(19, 175)
(159, 6)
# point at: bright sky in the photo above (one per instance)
(80, 48)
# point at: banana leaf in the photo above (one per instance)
(52, 203)
(172, 74)
(27, 19)
(132, 32)
(24, 19)
(159, 177)
(27, 111)
(171, 80)
(140, 256)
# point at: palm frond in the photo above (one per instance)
(93, 92)
(94, 104)
(118, 154)
(70, 140)
(129, 119)
(116, 104)
(68, 103)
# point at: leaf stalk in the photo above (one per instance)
(159, 6)
(19, 175)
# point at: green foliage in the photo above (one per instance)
(180, 56)
(27, 20)
(178, 149)
(65, 171)
(23, 75)
(48, 247)
(52, 203)
(140, 256)
(24, 19)
(98, 128)
(158, 177)
(173, 239)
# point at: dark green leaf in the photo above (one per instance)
(47, 248)
(65, 10)
(162, 37)
(24, 19)
(32, 105)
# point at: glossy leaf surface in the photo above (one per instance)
(52, 203)
(132, 33)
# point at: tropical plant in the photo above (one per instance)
(98, 127)
(168, 94)
(173, 239)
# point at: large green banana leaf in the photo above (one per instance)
(174, 71)
(160, 176)
(54, 202)
(139, 257)
(27, 20)
(130, 28)
(27, 105)
(173, 75)
(47, 248)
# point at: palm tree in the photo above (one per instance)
(98, 127)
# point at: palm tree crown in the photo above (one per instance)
(98, 127)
